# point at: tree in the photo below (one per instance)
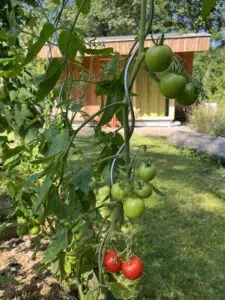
(170, 16)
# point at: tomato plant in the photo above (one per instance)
(111, 262)
(75, 201)
(158, 58)
(132, 268)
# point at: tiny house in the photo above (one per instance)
(151, 108)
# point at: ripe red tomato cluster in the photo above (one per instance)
(172, 85)
(131, 269)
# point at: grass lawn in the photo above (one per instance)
(182, 236)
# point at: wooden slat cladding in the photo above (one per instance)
(178, 45)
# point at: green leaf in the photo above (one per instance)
(59, 143)
(120, 2)
(56, 2)
(89, 296)
(207, 7)
(119, 291)
(70, 43)
(56, 207)
(53, 73)
(103, 87)
(58, 243)
(116, 94)
(45, 35)
(82, 179)
(84, 6)
(104, 51)
(42, 193)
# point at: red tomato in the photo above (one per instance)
(133, 268)
(112, 262)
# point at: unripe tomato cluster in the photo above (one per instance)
(131, 268)
(172, 85)
(132, 196)
(28, 226)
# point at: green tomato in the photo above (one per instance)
(189, 95)
(143, 189)
(158, 58)
(119, 191)
(172, 85)
(34, 230)
(133, 208)
(22, 220)
(146, 171)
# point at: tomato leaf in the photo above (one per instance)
(58, 243)
(115, 93)
(59, 143)
(207, 7)
(82, 179)
(45, 34)
(70, 43)
(84, 6)
(53, 73)
(55, 207)
(89, 296)
(119, 291)
(42, 193)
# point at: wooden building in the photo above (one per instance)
(151, 108)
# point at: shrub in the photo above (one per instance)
(207, 120)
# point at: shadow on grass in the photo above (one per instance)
(183, 251)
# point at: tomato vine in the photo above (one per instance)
(55, 192)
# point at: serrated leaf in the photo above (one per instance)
(116, 95)
(82, 179)
(84, 6)
(56, 207)
(119, 291)
(58, 243)
(42, 193)
(45, 35)
(59, 143)
(70, 43)
(53, 73)
(207, 6)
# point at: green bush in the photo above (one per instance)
(206, 120)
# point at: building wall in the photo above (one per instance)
(149, 103)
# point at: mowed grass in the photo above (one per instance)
(181, 237)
